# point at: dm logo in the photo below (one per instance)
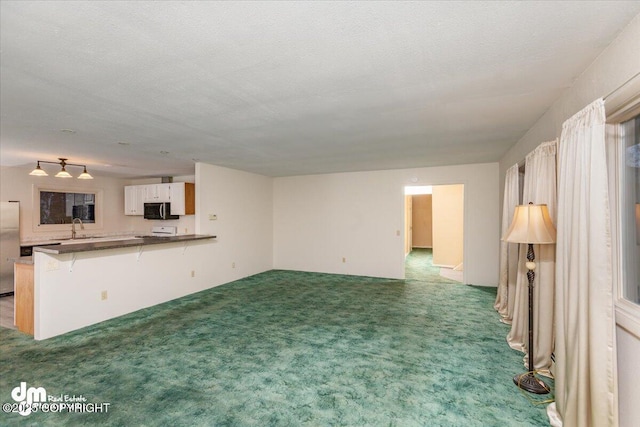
(29, 396)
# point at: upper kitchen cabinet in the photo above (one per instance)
(181, 195)
(158, 193)
(134, 197)
(182, 198)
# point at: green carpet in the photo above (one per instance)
(419, 266)
(287, 348)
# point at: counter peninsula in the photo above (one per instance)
(80, 284)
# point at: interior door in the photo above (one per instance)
(408, 224)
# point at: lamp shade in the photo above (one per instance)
(85, 174)
(531, 224)
(38, 171)
(63, 174)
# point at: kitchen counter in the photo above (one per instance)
(66, 240)
(69, 286)
(116, 244)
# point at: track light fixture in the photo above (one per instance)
(38, 171)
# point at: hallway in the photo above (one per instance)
(418, 266)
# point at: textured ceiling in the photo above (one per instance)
(286, 88)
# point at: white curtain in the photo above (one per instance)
(585, 366)
(539, 188)
(508, 251)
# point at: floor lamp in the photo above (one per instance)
(531, 225)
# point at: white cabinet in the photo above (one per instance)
(176, 194)
(164, 192)
(182, 198)
(157, 193)
(134, 196)
(181, 195)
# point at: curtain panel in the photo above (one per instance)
(506, 296)
(585, 378)
(539, 188)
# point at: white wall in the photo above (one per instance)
(17, 184)
(618, 63)
(320, 219)
(68, 292)
(243, 205)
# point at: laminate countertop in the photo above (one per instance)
(117, 244)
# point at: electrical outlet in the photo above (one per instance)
(193, 273)
(104, 295)
(233, 265)
(344, 259)
(397, 232)
(213, 217)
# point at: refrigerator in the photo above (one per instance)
(9, 244)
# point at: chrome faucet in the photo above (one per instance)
(73, 227)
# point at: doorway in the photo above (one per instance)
(434, 229)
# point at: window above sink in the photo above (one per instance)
(55, 208)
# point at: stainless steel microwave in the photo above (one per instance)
(158, 211)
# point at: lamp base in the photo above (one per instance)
(530, 383)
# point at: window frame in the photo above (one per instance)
(38, 227)
(621, 107)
